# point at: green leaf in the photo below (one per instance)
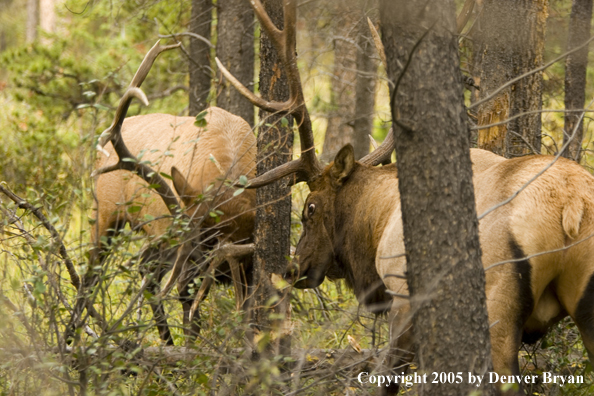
(238, 191)
(166, 176)
(201, 119)
(100, 107)
(284, 122)
(134, 209)
(243, 180)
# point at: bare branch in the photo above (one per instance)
(23, 204)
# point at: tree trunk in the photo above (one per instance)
(32, 20)
(365, 89)
(235, 49)
(352, 97)
(47, 15)
(273, 216)
(510, 42)
(445, 276)
(340, 128)
(575, 76)
(200, 71)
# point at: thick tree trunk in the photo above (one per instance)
(575, 76)
(273, 216)
(200, 71)
(32, 20)
(235, 49)
(509, 42)
(445, 276)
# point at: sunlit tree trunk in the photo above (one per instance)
(200, 72)
(445, 275)
(509, 42)
(235, 48)
(32, 20)
(575, 76)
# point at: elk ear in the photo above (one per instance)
(182, 187)
(344, 163)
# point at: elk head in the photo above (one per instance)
(315, 256)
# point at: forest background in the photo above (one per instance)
(63, 69)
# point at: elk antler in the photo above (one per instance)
(307, 167)
(127, 160)
(382, 154)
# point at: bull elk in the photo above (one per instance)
(203, 162)
(537, 248)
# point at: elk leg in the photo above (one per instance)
(153, 270)
(583, 316)
(401, 342)
(88, 281)
(191, 317)
(506, 339)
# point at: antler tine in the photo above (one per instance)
(277, 173)
(132, 92)
(382, 154)
(127, 160)
(308, 166)
(275, 34)
(149, 59)
(272, 107)
(379, 46)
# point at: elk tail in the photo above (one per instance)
(573, 210)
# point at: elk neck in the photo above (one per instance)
(362, 208)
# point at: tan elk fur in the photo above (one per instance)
(199, 160)
(169, 141)
(358, 210)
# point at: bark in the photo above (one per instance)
(235, 49)
(200, 71)
(32, 20)
(352, 96)
(510, 42)
(445, 276)
(273, 216)
(575, 76)
(342, 95)
(365, 89)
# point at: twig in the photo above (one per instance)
(23, 204)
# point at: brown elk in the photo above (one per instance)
(537, 248)
(202, 162)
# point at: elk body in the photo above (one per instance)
(352, 221)
(199, 161)
(536, 249)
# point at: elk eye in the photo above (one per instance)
(311, 208)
